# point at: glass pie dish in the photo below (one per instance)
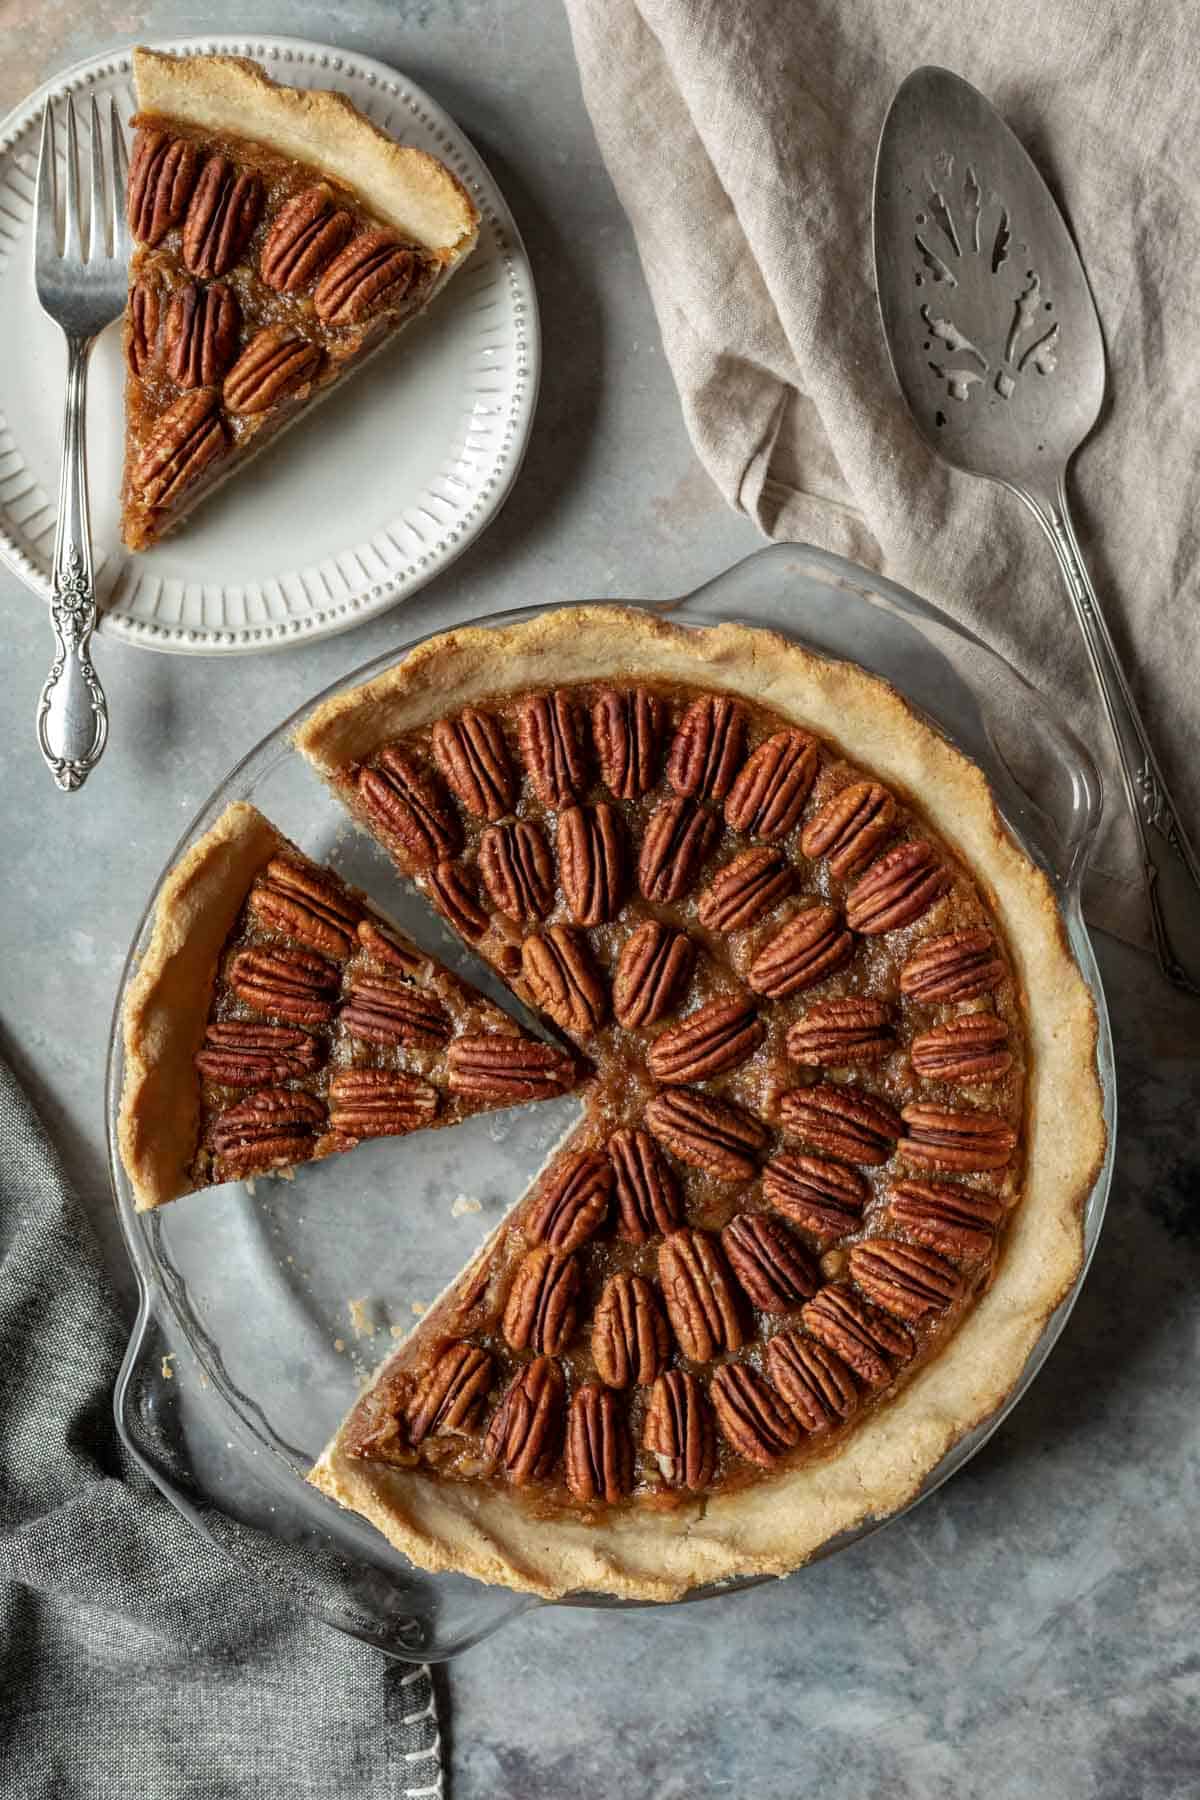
(280, 1301)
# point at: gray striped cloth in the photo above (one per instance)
(136, 1657)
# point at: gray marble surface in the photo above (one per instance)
(1033, 1628)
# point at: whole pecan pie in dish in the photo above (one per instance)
(279, 238)
(842, 1109)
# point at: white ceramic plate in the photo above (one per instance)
(344, 516)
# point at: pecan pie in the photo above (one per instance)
(841, 1119)
(279, 239)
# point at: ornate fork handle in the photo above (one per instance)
(72, 715)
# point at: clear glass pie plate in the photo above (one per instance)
(262, 1312)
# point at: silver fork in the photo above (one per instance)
(82, 296)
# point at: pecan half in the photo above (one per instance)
(141, 342)
(679, 1431)
(307, 233)
(710, 1134)
(942, 1138)
(273, 367)
(373, 271)
(543, 1302)
(647, 1193)
(964, 1050)
(599, 1453)
(451, 891)
(711, 1041)
(517, 872)
(850, 828)
(960, 965)
(285, 983)
(162, 173)
(630, 1341)
(408, 804)
(572, 1202)
(591, 862)
(473, 756)
(525, 1435)
(836, 1034)
(751, 1415)
(825, 1198)
(450, 1393)
(677, 839)
(651, 971)
(200, 334)
(707, 748)
(815, 1384)
(897, 889)
(905, 1279)
(367, 1103)
(492, 1066)
(388, 1009)
(296, 902)
(807, 949)
(769, 794)
(865, 1339)
(184, 440)
(563, 979)
(843, 1122)
(745, 890)
(958, 1221)
(701, 1300)
(627, 729)
(550, 735)
(224, 210)
(242, 1053)
(271, 1129)
(390, 947)
(768, 1262)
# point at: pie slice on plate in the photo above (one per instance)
(276, 1018)
(280, 239)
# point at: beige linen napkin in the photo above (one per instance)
(741, 135)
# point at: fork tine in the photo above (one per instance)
(120, 181)
(46, 227)
(97, 223)
(71, 239)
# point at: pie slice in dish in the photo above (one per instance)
(279, 239)
(276, 1018)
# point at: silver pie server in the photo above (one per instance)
(996, 345)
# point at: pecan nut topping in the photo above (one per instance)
(963, 1142)
(273, 367)
(836, 1034)
(717, 1038)
(647, 1193)
(373, 271)
(516, 869)
(492, 1066)
(451, 891)
(706, 1133)
(627, 730)
(271, 1129)
(850, 828)
(591, 862)
(768, 1262)
(898, 889)
(752, 1416)
(185, 439)
(473, 756)
(675, 844)
(145, 309)
(242, 1053)
(963, 1050)
(599, 1450)
(572, 1203)
(450, 1394)
(630, 1340)
(708, 747)
(162, 173)
(816, 1385)
(407, 804)
(525, 1435)
(368, 1103)
(549, 731)
(958, 1221)
(307, 233)
(387, 946)
(769, 794)
(652, 969)
(865, 1339)
(700, 1298)
(542, 1310)
(223, 212)
(679, 1431)
(905, 1279)
(295, 902)
(843, 1122)
(200, 334)
(285, 983)
(564, 981)
(825, 1199)
(745, 890)
(807, 949)
(960, 965)
(388, 1009)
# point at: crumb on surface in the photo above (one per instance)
(339, 1345)
(167, 1371)
(465, 1204)
(418, 1307)
(364, 1325)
